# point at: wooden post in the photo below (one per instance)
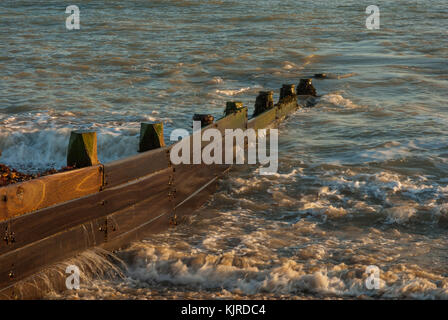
(151, 136)
(206, 119)
(264, 101)
(306, 88)
(320, 75)
(233, 107)
(82, 149)
(287, 90)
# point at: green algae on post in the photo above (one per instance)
(264, 101)
(151, 136)
(82, 149)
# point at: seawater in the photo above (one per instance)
(362, 176)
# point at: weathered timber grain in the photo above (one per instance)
(32, 195)
(123, 226)
(23, 262)
(237, 120)
(263, 120)
(135, 167)
(285, 107)
(32, 227)
(190, 177)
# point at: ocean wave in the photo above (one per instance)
(154, 271)
(337, 100)
(36, 142)
(232, 92)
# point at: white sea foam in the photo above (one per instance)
(162, 269)
(232, 92)
(216, 80)
(39, 141)
(337, 100)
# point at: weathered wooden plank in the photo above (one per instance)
(141, 203)
(155, 216)
(29, 196)
(188, 178)
(135, 167)
(263, 120)
(126, 225)
(156, 224)
(132, 193)
(233, 121)
(285, 108)
(23, 262)
(32, 227)
(196, 200)
(154, 213)
(35, 286)
(155, 203)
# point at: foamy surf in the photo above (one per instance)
(298, 234)
(37, 142)
(333, 100)
(232, 92)
(255, 268)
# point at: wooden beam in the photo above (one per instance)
(123, 224)
(263, 120)
(25, 261)
(135, 167)
(188, 178)
(32, 227)
(286, 107)
(236, 120)
(32, 195)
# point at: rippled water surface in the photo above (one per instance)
(363, 175)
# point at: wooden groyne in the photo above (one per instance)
(46, 220)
